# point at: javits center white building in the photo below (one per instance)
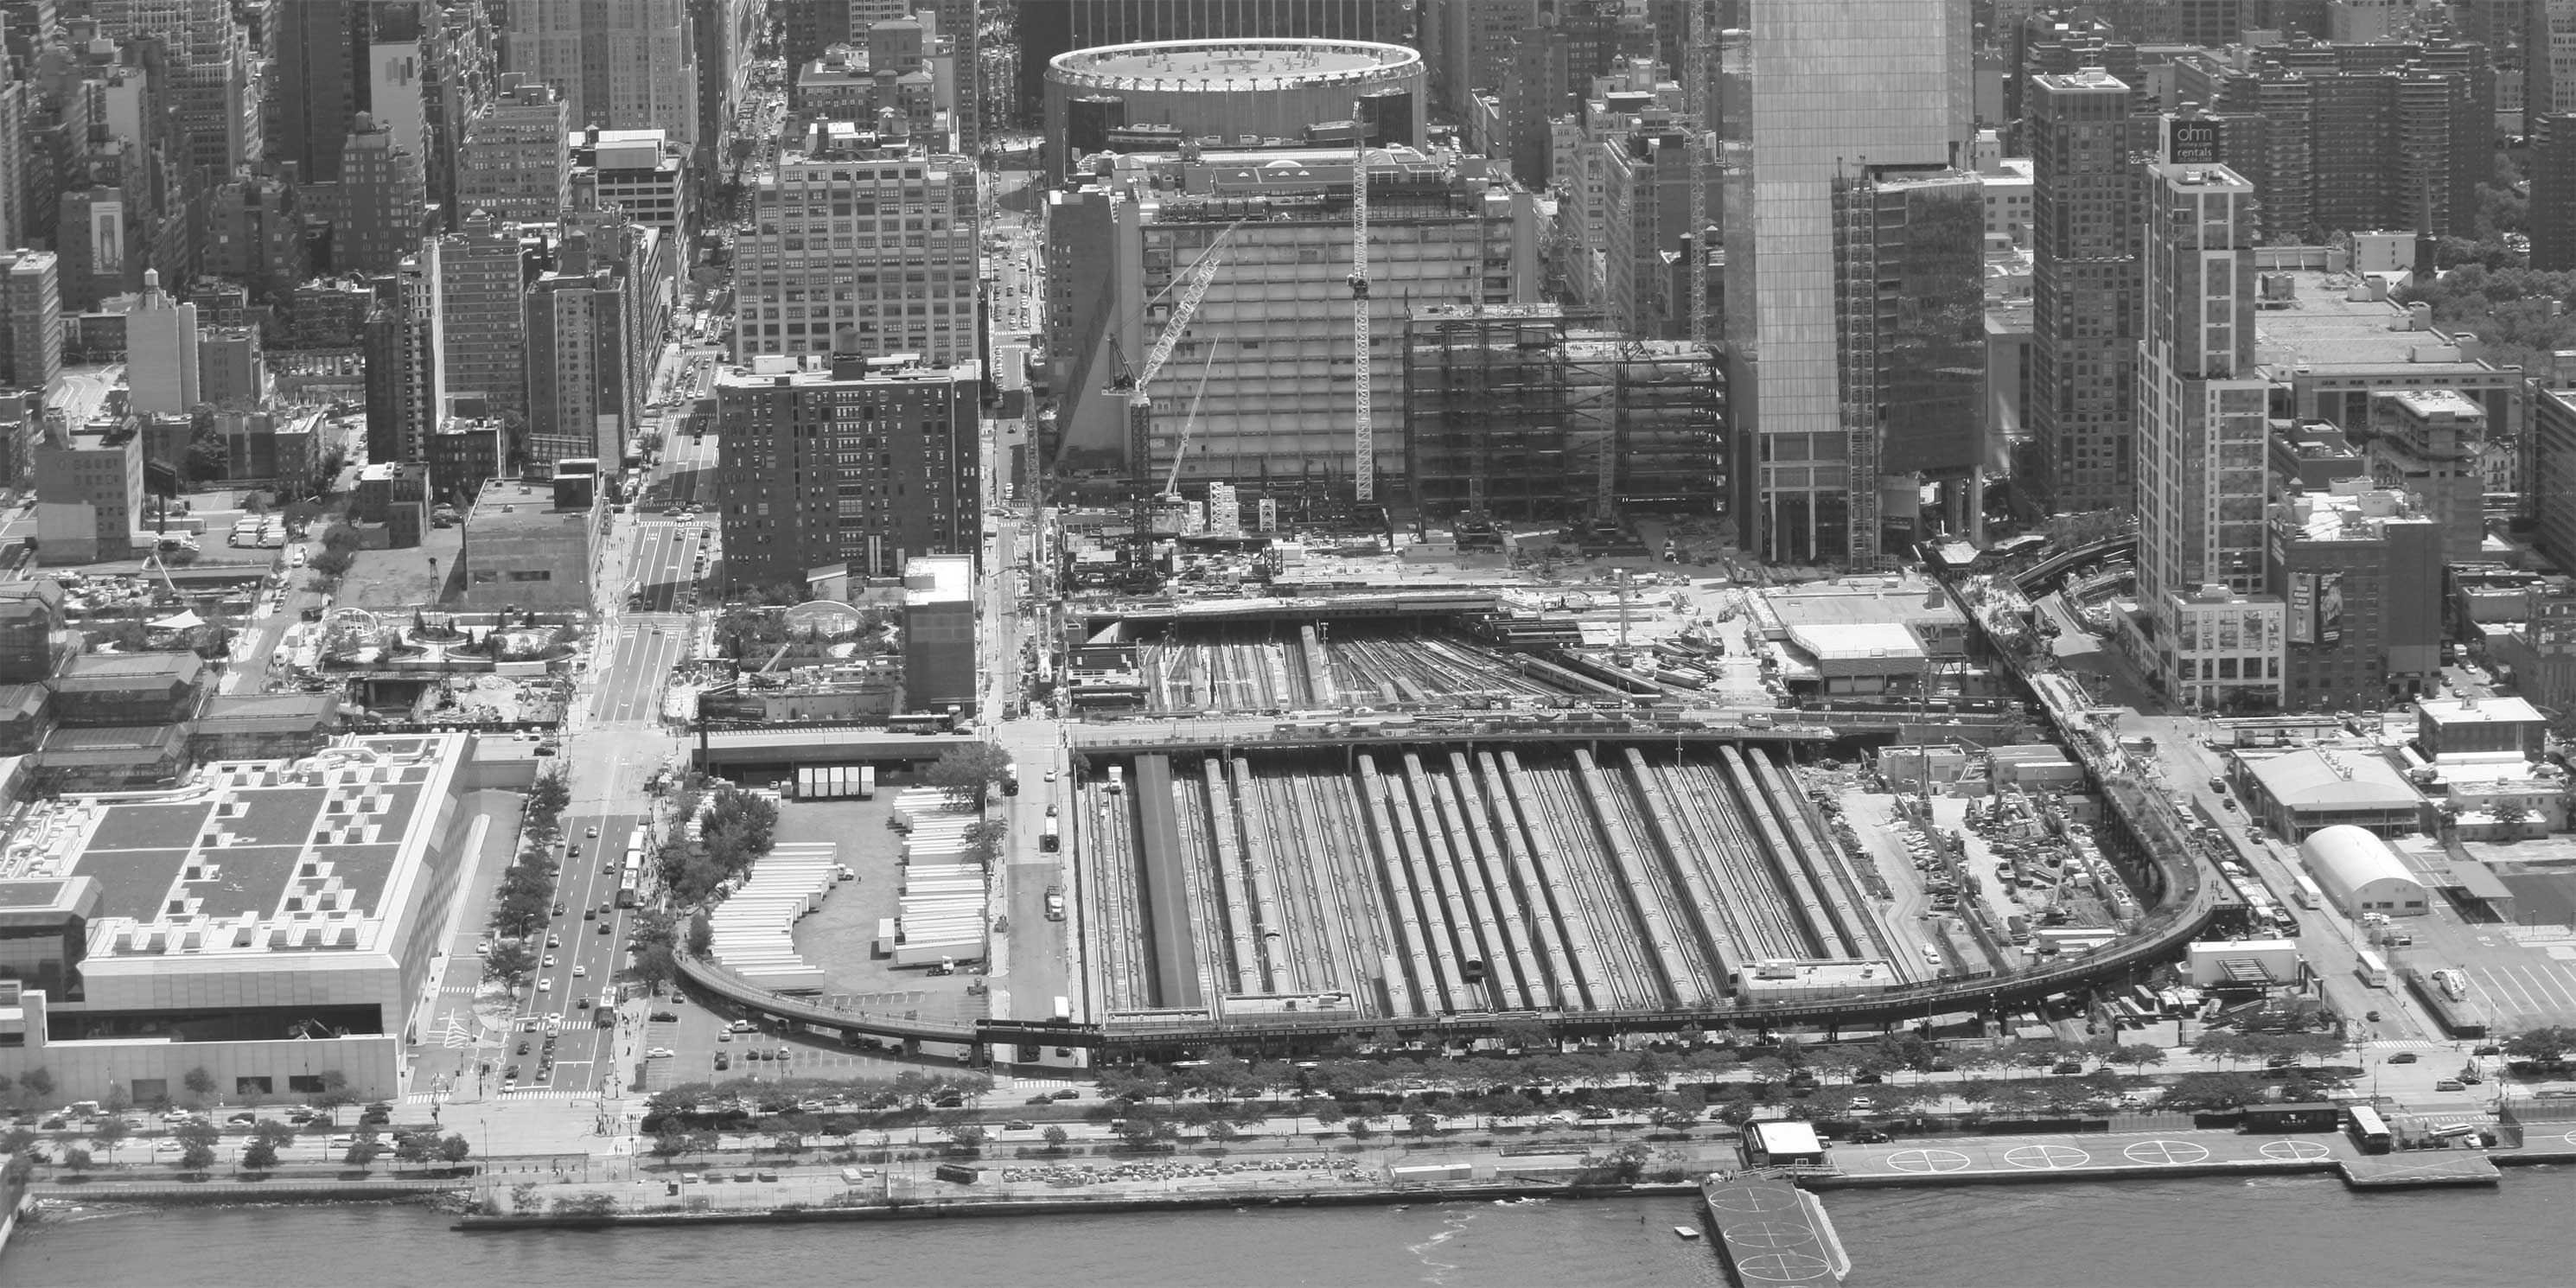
(269, 922)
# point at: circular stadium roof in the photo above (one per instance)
(1230, 64)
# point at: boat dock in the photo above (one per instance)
(1973, 1160)
(1772, 1232)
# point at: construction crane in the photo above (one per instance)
(1364, 436)
(1702, 138)
(1140, 405)
(1172, 485)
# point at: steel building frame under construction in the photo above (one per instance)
(1525, 411)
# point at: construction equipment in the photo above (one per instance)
(1140, 405)
(1702, 139)
(1364, 436)
(1172, 485)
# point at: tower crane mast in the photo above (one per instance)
(1363, 434)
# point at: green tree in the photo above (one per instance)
(335, 1094)
(968, 773)
(76, 1159)
(1219, 1131)
(702, 934)
(454, 1148)
(966, 1136)
(1424, 1125)
(1055, 1136)
(199, 1083)
(332, 563)
(260, 1155)
(39, 1083)
(110, 1132)
(509, 963)
(2546, 1043)
(196, 1156)
(2140, 1055)
(2212, 1091)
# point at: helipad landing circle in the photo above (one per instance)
(2165, 1153)
(2294, 1149)
(1781, 1267)
(1927, 1160)
(1770, 1234)
(1754, 1198)
(2047, 1157)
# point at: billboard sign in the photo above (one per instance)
(2303, 608)
(2192, 142)
(2330, 608)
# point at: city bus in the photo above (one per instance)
(630, 874)
(2366, 1128)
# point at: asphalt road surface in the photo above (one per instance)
(661, 565)
(644, 648)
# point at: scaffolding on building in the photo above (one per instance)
(1528, 412)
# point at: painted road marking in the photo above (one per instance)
(2048, 1157)
(2166, 1153)
(2294, 1150)
(1927, 1160)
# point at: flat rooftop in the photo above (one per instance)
(505, 504)
(2473, 711)
(938, 579)
(2320, 327)
(1238, 60)
(262, 855)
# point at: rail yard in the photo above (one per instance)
(1402, 822)
(1418, 881)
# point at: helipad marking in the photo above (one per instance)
(2294, 1149)
(2047, 1157)
(2165, 1153)
(1927, 1160)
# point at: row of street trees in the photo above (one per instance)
(525, 901)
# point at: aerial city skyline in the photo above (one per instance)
(629, 614)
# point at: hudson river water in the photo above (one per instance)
(2279, 1231)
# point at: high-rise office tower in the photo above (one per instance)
(2202, 434)
(2551, 165)
(2084, 292)
(861, 245)
(31, 300)
(517, 160)
(1813, 93)
(396, 340)
(479, 328)
(1910, 324)
(209, 72)
(316, 83)
(383, 200)
(580, 398)
(161, 350)
(621, 64)
(2549, 56)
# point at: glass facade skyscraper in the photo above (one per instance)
(1811, 93)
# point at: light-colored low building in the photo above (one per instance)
(2299, 793)
(2361, 872)
(271, 923)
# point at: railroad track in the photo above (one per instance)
(1629, 981)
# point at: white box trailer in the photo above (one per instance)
(924, 953)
